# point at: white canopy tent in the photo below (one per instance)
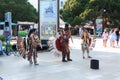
(62, 23)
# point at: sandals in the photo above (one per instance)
(88, 57)
(83, 57)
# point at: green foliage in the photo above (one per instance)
(72, 9)
(2, 38)
(21, 10)
(89, 9)
(9, 47)
(76, 21)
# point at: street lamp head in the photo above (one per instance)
(104, 10)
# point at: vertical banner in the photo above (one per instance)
(48, 18)
(99, 25)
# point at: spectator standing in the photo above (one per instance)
(112, 37)
(117, 36)
(0, 47)
(105, 37)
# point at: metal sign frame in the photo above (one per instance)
(7, 26)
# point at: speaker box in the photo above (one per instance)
(94, 64)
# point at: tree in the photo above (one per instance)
(72, 9)
(89, 9)
(21, 10)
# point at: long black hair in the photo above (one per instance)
(28, 40)
(31, 31)
(66, 27)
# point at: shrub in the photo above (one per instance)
(2, 38)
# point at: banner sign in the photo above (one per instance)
(48, 18)
(99, 25)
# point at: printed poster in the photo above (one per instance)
(99, 25)
(48, 18)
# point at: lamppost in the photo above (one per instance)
(94, 24)
(104, 16)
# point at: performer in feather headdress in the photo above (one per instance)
(64, 40)
(85, 43)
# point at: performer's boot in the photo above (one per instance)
(35, 58)
(35, 61)
(63, 57)
(68, 57)
(30, 61)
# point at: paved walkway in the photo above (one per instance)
(51, 67)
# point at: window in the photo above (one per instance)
(61, 3)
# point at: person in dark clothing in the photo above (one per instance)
(117, 36)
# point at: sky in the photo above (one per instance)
(34, 3)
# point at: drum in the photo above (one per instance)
(58, 44)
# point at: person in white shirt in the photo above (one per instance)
(0, 47)
(105, 38)
(112, 37)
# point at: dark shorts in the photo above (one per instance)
(117, 39)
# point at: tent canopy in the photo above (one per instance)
(62, 23)
(25, 23)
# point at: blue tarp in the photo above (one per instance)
(13, 24)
